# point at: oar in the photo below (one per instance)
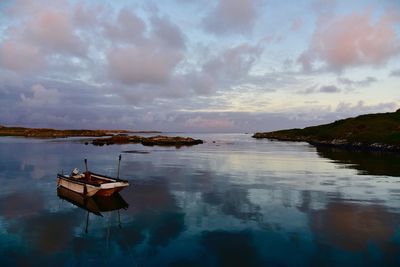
(119, 164)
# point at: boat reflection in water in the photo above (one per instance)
(95, 204)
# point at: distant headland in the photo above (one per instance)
(379, 131)
(54, 133)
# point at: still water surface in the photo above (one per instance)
(235, 202)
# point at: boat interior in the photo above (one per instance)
(92, 178)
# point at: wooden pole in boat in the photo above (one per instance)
(86, 165)
(87, 175)
(119, 164)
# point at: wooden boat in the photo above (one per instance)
(90, 183)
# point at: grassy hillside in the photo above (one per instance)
(382, 128)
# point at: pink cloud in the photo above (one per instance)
(232, 16)
(127, 27)
(233, 63)
(203, 123)
(135, 65)
(53, 30)
(351, 40)
(20, 57)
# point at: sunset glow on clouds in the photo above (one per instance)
(196, 65)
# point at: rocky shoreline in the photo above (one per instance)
(368, 132)
(158, 140)
(335, 143)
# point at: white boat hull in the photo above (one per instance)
(106, 187)
(79, 188)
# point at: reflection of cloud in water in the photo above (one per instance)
(230, 248)
(47, 232)
(250, 205)
(149, 197)
(43, 238)
(155, 215)
(234, 202)
(352, 226)
(20, 204)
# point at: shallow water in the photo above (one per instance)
(235, 202)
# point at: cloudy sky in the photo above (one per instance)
(196, 65)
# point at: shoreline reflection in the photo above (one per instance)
(370, 163)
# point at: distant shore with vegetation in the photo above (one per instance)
(54, 133)
(379, 131)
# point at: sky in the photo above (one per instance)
(196, 65)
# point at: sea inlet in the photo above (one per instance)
(232, 201)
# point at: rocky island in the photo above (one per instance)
(158, 140)
(106, 137)
(366, 132)
(54, 133)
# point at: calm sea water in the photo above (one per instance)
(235, 202)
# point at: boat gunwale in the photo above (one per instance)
(108, 177)
(83, 182)
(76, 181)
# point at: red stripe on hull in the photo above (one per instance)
(108, 192)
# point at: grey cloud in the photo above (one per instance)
(232, 63)
(367, 81)
(232, 16)
(329, 89)
(127, 27)
(323, 89)
(349, 109)
(152, 59)
(107, 111)
(307, 91)
(41, 96)
(221, 71)
(135, 65)
(168, 33)
(140, 61)
(395, 73)
(225, 69)
(85, 16)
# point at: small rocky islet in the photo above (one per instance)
(159, 140)
(370, 132)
